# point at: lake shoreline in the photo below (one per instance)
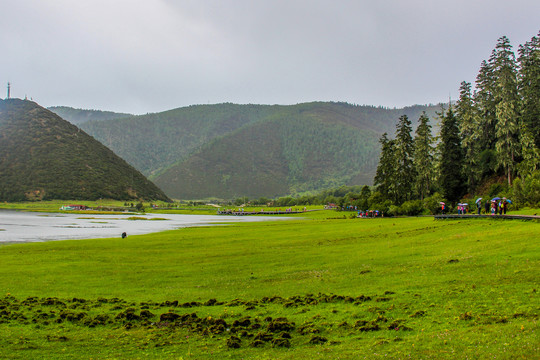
(18, 227)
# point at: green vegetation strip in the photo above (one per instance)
(301, 289)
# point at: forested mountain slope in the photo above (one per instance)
(153, 142)
(42, 156)
(229, 150)
(279, 156)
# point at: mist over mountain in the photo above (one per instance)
(43, 156)
(79, 116)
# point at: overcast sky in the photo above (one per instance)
(155, 55)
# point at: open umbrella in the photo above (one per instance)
(465, 204)
(442, 203)
(509, 201)
(478, 200)
(496, 198)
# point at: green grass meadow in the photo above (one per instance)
(308, 288)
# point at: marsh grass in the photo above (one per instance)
(301, 289)
(55, 205)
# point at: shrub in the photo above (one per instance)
(411, 208)
(527, 191)
(378, 202)
(393, 210)
(432, 203)
(140, 207)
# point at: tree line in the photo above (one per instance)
(491, 133)
(488, 145)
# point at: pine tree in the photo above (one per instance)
(507, 106)
(405, 173)
(470, 134)
(452, 181)
(529, 86)
(484, 103)
(423, 157)
(384, 176)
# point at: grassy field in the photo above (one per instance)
(314, 288)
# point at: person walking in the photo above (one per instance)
(504, 205)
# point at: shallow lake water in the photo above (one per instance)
(20, 226)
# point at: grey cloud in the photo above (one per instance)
(159, 54)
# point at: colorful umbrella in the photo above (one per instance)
(478, 200)
(496, 198)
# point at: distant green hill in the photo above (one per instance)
(229, 150)
(79, 116)
(301, 148)
(153, 142)
(43, 156)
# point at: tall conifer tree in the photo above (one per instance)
(529, 86)
(451, 180)
(507, 106)
(423, 157)
(484, 103)
(384, 177)
(470, 134)
(404, 151)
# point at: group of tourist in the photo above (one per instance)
(493, 207)
(369, 213)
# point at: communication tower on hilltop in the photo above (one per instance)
(8, 89)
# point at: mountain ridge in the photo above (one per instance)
(43, 156)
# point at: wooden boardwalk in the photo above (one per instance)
(243, 213)
(483, 216)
